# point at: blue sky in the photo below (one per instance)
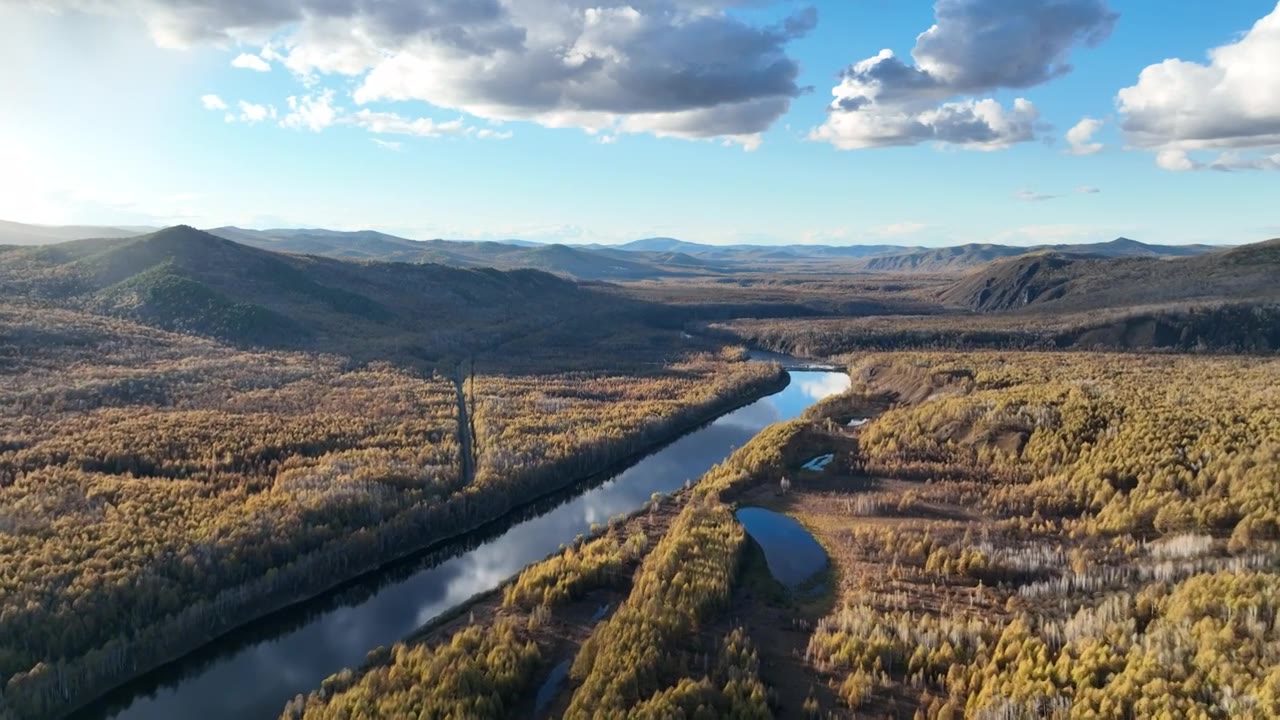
(107, 119)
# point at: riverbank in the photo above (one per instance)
(548, 614)
(59, 688)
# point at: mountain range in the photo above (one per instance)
(187, 280)
(649, 258)
(429, 310)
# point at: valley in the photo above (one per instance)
(661, 360)
(219, 455)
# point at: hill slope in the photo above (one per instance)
(183, 279)
(1050, 281)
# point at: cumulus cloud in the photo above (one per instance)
(1080, 137)
(975, 124)
(386, 144)
(682, 68)
(974, 47)
(212, 102)
(313, 112)
(1227, 104)
(251, 62)
(253, 113)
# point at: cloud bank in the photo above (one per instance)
(974, 47)
(1229, 105)
(681, 68)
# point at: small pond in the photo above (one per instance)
(819, 463)
(791, 552)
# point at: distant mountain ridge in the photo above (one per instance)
(647, 258)
(13, 233)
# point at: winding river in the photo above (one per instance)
(254, 671)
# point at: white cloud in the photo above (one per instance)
(313, 112)
(681, 68)
(1226, 161)
(974, 47)
(212, 102)
(317, 111)
(1175, 160)
(251, 62)
(974, 124)
(1231, 102)
(1231, 160)
(386, 144)
(1087, 190)
(1080, 137)
(252, 113)
(392, 123)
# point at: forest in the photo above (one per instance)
(1012, 535)
(671, 567)
(198, 433)
(158, 489)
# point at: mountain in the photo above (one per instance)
(1124, 247)
(358, 245)
(1047, 280)
(665, 245)
(187, 280)
(13, 233)
(577, 262)
(900, 259)
(748, 252)
(942, 259)
(648, 258)
(964, 257)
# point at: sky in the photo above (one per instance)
(719, 121)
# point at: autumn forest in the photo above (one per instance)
(1066, 510)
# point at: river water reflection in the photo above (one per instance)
(256, 670)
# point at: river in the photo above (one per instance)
(254, 671)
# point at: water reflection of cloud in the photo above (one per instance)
(824, 385)
(754, 417)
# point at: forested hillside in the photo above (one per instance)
(1059, 282)
(1226, 300)
(1012, 534)
(197, 432)
(186, 280)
